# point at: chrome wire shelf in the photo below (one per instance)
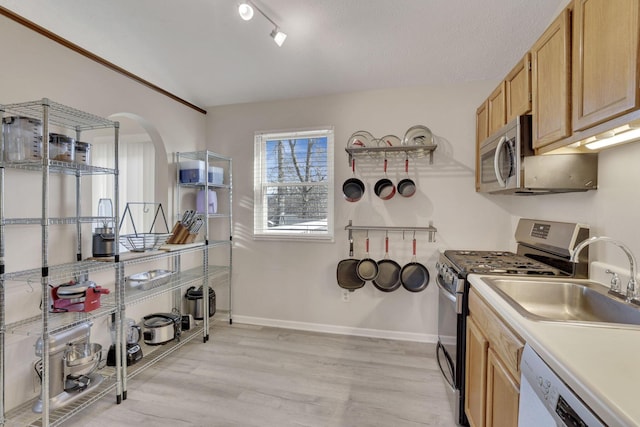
(59, 167)
(58, 221)
(59, 114)
(153, 354)
(61, 272)
(57, 322)
(23, 415)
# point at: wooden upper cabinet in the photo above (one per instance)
(518, 89)
(482, 132)
(496, 106)
(605, 60)
(550, 81)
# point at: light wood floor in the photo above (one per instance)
(260, 376)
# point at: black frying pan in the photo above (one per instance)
(367, 268)
(347, 273)
(414, 276)
(388, 272)
(353, 188)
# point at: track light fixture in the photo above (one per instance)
(245, 10)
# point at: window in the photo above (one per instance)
(293, 186)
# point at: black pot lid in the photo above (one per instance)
(157, 322)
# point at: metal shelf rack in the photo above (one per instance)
(225, 200)
(71, 120)
(413, 150)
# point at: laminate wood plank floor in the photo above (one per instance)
(262, 376)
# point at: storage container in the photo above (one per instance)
(83, 153)
(61, 147)
(192, 171)
(216, 175)
(22, 139)
(213, 202)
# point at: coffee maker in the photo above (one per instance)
(73, 360)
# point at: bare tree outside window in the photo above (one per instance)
(295, 184)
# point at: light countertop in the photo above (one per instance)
(600, 364)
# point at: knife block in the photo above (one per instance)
(181, 235)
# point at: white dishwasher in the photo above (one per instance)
(546, 401)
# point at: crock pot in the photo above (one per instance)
(160, 328)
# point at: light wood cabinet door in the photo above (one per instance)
(497, 109)
(550, 82)
(605, 60)
(503, 394)
(518, 89)
(475, 401)
(482, 132)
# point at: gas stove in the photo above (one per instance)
(498, 262)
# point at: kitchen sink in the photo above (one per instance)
(573, 301)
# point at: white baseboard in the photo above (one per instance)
(334, 329)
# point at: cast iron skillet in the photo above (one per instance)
(414, 276)
(388, 272)
(346, 272)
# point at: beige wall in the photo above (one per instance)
(294, 284)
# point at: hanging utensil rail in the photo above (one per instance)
(430, 229)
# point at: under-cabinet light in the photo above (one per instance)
(617, 138)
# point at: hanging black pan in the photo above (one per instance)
(414, 276)
(388, 279)
(347, 273)
(367, 268)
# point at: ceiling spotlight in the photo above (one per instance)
(278, 36)
(246, 11)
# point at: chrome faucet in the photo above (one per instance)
(632, 289)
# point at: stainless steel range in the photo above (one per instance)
(544, 248)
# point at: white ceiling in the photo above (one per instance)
(203, 52)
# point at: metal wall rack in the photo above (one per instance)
(431, 230)
(416, 150)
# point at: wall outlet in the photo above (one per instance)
(346, 295)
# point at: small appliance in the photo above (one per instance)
(160, 328)
(195, 302)
(133, 334)
(73, 360)
(506, 165)
(81, 296)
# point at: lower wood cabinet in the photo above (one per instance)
(492, 373)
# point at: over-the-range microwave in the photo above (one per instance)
(508, 166)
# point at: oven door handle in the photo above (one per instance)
(455, 299)
(496, 162)
(448, 378)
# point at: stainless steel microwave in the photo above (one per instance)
(508, 166)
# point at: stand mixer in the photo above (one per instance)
(72, 362)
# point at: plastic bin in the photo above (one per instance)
(192, 171)
(215, 175)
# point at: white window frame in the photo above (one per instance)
(260, 215)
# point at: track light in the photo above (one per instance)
(245, 10)
(278, 36)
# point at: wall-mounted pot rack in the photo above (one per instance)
(430, 229)
(417, 150)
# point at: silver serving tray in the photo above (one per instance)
(149, 279)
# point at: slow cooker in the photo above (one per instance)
(160, 328)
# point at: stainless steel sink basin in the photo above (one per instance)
(575, 301)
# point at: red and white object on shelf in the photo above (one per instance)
(76, 297)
